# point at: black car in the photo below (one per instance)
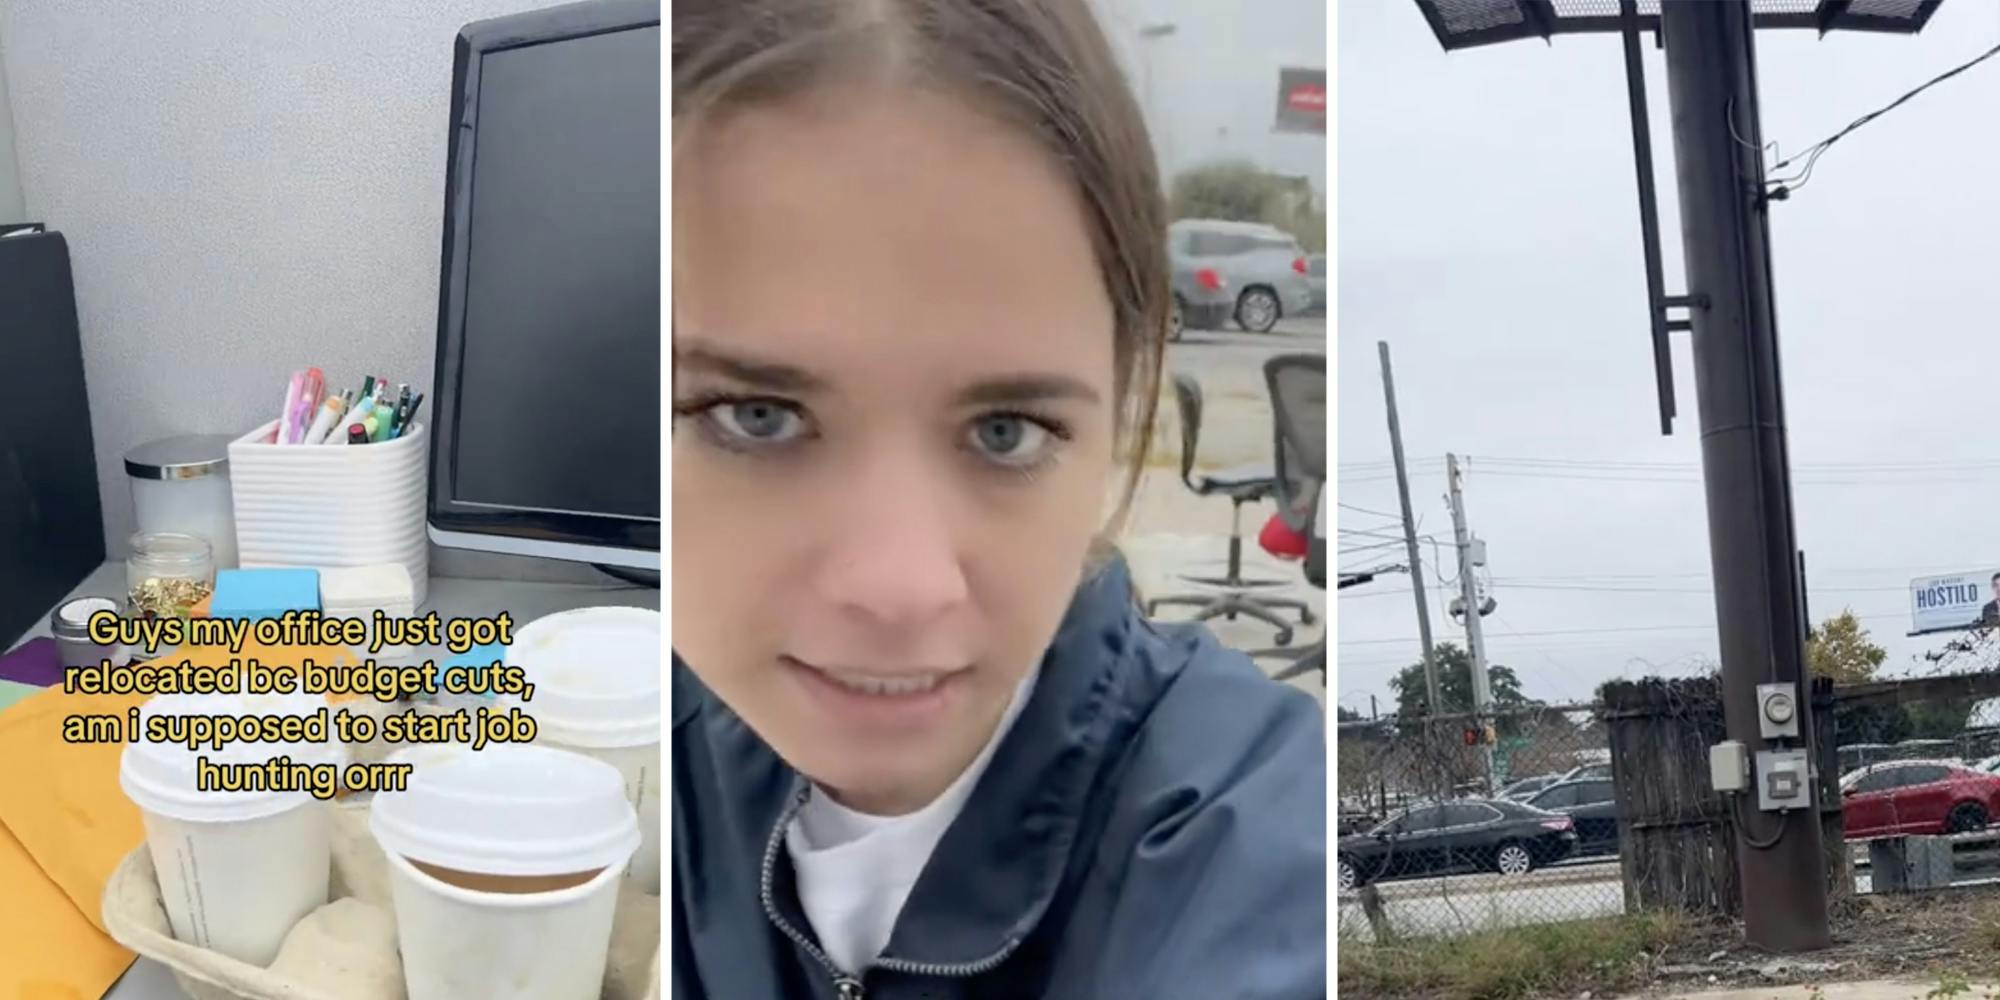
(1460, 836)
(1588, 804)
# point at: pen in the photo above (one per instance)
(410, 417)
(357, 434)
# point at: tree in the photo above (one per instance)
(1240, 191)
(1343, 714)
(1454, 685)
(1840, 648)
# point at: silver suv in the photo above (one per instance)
(1246, 271)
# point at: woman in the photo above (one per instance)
(925, 745)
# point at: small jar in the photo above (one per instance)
(181, 484)
(167, 574)
(70, 625)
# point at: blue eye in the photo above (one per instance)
(757, 421)
(1009, 439)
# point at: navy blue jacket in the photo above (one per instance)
(1153, 826)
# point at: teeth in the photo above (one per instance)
(890, 686)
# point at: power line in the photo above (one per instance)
(1605, 631)
(1371, 513)
(1782, 187)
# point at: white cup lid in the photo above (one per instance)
(596, 673)
(509, 809)
(161, 777)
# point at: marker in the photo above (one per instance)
(384, 416)
(357, 434)
(329, 414)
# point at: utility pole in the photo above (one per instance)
(1410, 533)
(1475, 637)
(1718, 140)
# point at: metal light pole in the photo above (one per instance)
(1725, 234)
(1149, 34)
(1718, 140)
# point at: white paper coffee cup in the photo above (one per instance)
(236, 869)
(597, 674)
(459, 943)
(505, 814)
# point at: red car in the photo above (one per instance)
(1918, 797)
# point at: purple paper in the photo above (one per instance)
(34, 663)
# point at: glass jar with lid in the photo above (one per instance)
(181, 484)
(167, 574)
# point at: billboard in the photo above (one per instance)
(1958, 601)
(1302, 100)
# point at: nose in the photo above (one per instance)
(894, 562)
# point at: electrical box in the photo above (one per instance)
(1728, 767)
(1784, 780)
(1778, 711)
(1478, 552)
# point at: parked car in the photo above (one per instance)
(1588, 803)
(1918, 797)
(1990, 765)
(1525, 789)
(1460, 836)
(1588, 771)
(1250, 272)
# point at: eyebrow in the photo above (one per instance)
(1027, 388)
(769, 375)
(774, 376)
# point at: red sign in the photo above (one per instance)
(1308, 97)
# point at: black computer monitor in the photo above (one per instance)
(546, 409)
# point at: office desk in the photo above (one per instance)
(450, 598)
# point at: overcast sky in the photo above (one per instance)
(1215, 79)
(1488, 230)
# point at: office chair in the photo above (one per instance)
(1298, 410)
(1242, 485)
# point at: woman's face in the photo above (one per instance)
(893, 427)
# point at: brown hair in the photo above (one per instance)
(1042, 66)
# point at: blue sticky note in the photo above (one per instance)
(256, 594)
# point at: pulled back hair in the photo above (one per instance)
(1040, 66)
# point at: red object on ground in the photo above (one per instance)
(1280, 540)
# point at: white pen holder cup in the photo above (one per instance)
(324, 506)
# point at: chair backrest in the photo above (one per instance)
(1298, 415)
(1187, 398)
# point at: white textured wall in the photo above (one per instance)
(11, 209)
(247, 188)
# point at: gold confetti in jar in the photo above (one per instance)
(167, 573)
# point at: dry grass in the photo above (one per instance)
(1601, 955)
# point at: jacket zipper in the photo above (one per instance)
(848, 987)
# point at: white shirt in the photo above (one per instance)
(856, 870)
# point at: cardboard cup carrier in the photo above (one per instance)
(504, 868)
(597, 674)
(236, 869)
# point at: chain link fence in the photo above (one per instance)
(1448, 826)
